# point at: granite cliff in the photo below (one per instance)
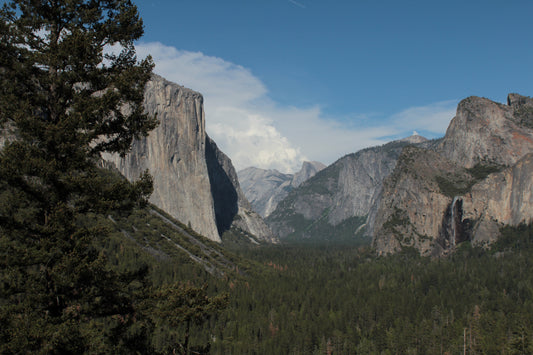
(486, 132)
(413, 203)
(504, 198)
(477, 179)
(336, 202)
(194, 181)
(265, 188)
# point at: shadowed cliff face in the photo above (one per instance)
(222, 189)
(455, 227)
(232, 209)
(193, 180)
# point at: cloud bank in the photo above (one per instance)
(255, 131)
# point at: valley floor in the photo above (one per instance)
(344, 300)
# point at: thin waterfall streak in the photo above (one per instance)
(453, 236)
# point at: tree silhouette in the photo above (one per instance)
(62, 103)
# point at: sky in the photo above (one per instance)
(291, 80)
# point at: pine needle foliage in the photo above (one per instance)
(63, 101)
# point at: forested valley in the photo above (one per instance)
(343, 299)
(190, 295)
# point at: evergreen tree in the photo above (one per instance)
(62, 103)
(178, 308)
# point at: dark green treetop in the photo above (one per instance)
(63, 101)
(57, 78)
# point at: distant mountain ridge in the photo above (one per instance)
(411, 193)
(335, 203)
(265, 188)
(428, 195)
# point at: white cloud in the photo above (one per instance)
(300, 5)
(255, 131)
(220, 81)
(236, 106)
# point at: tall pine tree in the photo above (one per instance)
(63, 102)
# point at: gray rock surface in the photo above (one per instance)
(477, 179)
(504, 198)
(484, 131)
(338, 199)
(265, 188)
(174, 153)
(231, 206)
(413, 205)
(193, 181)
(308, 170)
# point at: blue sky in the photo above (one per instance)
(292, 80)
(351, 56)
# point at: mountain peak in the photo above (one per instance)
(516, 100)
(484, 131)
(265, 188)
(414, 138)
(309, 169)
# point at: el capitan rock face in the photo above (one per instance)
(193, 181)
(174, 153)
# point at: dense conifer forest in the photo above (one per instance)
(342, 299)
(338, 300)
(88, 266)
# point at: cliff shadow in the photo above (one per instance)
(225, 197)
(454, 229)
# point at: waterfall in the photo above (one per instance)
(454, 224)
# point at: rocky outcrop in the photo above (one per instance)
(504, 198)
(414, 201)
(486, 132)
(477, 179)
(265, 188)
(193, 180)
(335, 203)
(308, 170)
(174, 153)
